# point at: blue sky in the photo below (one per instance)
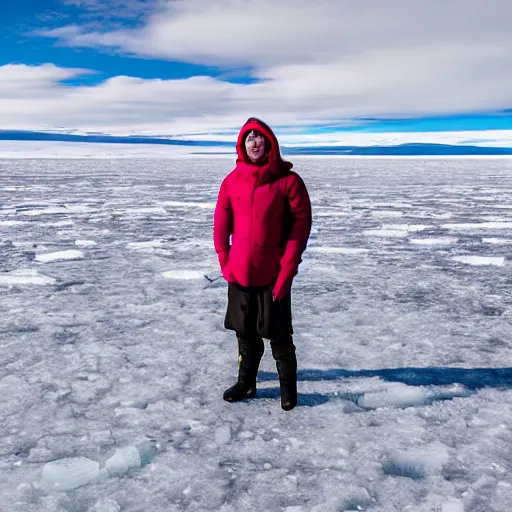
(20, 20)
(330, 72)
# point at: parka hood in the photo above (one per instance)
(273, 164)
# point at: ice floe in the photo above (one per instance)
(498, 261)
(25, 277)
(71, 254)
(433, 241)
(85, 243)
(185, 275)
(338, 250)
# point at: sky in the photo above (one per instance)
(330, 71)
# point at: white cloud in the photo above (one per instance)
(318, 62)
(265, 33)
(34, 99)
(20, 81)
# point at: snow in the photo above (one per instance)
(403, 343)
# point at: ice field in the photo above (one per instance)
(112, 336)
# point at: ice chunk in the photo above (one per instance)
(69, 473)
(395, 230)
(11, 222)
(105, 505)
(146, 210)
(433, 241)
(24, 276)
(498, 261)
(150, 244)
(223, 434)
(85, 243)
(330, 214)
(393, 397)
(50, 210)
(386, 213)
(205, 205)
(478, 226)
(385, 232)
(130, 457)
(185, 275)
(339, 250)
(404, 465)
(497, 241)
(71, 254)
(416, 463)
(58, 224)
(123, 460)
(452, 506)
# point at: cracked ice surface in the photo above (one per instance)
(403, 339)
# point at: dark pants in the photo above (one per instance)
(253, 314)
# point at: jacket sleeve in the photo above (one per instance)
(222, 224)
(300, 209)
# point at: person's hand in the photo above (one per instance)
(227, 274)
(283, 285)
(224, 267)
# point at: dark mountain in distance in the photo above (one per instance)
(101, 138)
(412, 149)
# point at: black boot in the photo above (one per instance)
(286, 363)
(287, 370)
(250, 351)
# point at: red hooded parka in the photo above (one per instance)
(265, 208)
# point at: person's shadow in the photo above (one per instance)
(471, 378)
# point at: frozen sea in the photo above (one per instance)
(111, 335)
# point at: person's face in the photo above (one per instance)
(255, 146)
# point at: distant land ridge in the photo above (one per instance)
(408, 149)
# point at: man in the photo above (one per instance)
(265, 208)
